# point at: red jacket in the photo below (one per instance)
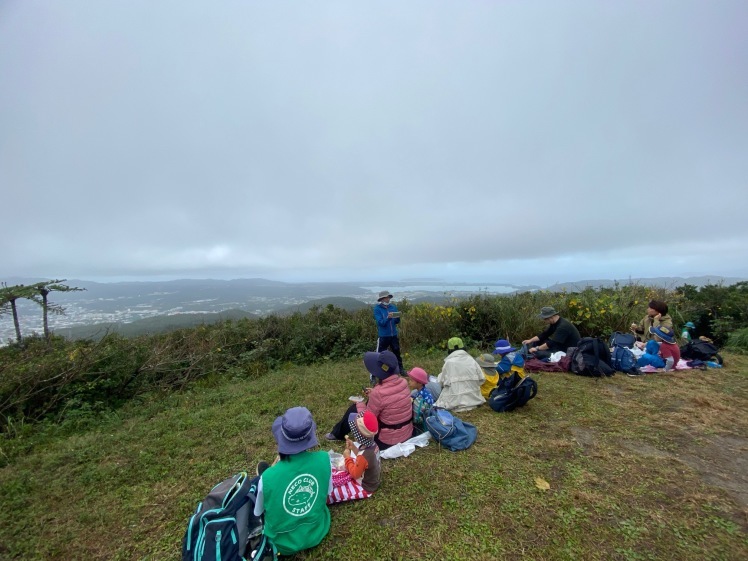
(391, 404)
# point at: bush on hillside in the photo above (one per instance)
(716, 310)
(737, 341)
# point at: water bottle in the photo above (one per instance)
(669, 364)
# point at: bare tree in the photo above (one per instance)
(8, 297)
(42, 289)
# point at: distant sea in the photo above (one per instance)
(446, 288)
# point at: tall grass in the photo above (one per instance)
(737, 342)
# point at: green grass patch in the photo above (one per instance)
(639, 468)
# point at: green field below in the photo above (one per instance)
(645, 468)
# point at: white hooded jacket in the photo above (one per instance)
(461, 379)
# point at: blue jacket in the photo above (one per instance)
(386, 327)
(509, 360)
(651, 355)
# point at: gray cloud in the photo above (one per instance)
(178, 138)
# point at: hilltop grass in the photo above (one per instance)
(639, 469)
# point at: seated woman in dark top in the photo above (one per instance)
(558, 336)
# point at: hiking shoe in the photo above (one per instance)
(331, 436)
(635, 373)
(261, 466)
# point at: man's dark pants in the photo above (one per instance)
(391, 343)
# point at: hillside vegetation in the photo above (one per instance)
(342, 302)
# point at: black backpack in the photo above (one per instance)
(591, 357)
(700, 350)
(512, 392)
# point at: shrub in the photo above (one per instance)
(737, 341)
(600, 312)
(716, 310)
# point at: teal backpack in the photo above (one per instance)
(219, 529)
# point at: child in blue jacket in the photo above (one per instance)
(651, 356)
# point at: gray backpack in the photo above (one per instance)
(219, 529)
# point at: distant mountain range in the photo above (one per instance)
(663, 282)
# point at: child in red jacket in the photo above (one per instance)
(361, 476)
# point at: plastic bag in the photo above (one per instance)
(421, 440)
(336, 460)
(405, 449)
(400, 450)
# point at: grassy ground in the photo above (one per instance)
(639, 468)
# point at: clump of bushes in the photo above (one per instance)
(716, 310)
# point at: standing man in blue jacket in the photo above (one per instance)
(387, 318)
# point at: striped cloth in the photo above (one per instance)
(345, 489)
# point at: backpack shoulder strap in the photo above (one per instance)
(265, 550)
(528, 388)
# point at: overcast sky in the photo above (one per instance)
(510, 141)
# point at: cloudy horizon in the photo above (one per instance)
(485, 142)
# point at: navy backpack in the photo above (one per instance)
(512, 392)
(619, 339)
(623, 360)
(621, 357)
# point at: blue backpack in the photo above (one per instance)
(619, 339)
(623, 360)
(449, 431)
(219, 529)
(512, 392)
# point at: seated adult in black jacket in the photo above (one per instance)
(558, 336)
